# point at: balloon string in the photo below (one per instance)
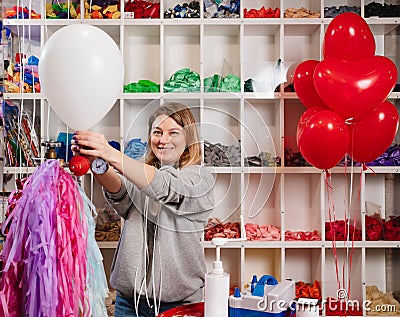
(346, 205)
(354, 232)
(327, 176)
(328, 183)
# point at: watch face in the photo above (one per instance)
(99, 166)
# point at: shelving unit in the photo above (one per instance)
(290, 198)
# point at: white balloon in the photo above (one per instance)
(81, 73)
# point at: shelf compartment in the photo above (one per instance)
(141, 52)
(293, 109)
(262, 65)
(342, 209)
(227, 198)
(262, 262)
(222, 56)
(21, 51)
(342, 194)
(261, 129)
(220, 130)
(181, 49)
(261, 201)
(302, 197)
(345, 272)
(135, 116)
(382, 268)
(22, 143)
(303, 265)
(302, 41)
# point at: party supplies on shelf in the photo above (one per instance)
(22, 141)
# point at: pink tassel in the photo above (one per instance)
(44, 253)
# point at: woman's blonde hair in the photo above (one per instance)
(184, 117)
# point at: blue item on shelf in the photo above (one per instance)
(136, 148)
(65, 140)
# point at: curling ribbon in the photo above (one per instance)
(45, 251)
(96, 280)
(71, 249)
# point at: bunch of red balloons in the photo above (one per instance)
(346, 97)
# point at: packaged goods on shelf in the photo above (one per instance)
(217, 83)
(263, 159)
(19, 12)
(23, 76)
(22, 141)
(183, 80)
(221, 8)
(341, 230)
(375, 9)
(256, 232)
(62, 10)
(217, 229)
(381, 303)
(262, 13)
(140, 9)
(143, 85)
(185, 10)
(331, 12)
(301, 13)
(102, 9)
(135, 148)
(308, 290)
(221, 155)
(302, 235)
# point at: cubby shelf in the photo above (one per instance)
(290, 198)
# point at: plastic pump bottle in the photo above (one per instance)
(217, 286)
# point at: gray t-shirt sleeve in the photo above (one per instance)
(122, 200)
(185, 191)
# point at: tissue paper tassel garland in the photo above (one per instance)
(45, 254)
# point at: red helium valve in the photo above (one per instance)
(79, 165)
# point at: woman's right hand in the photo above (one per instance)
(92, 144)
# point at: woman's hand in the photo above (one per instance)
(92, 144)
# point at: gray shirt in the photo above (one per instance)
(160, 247)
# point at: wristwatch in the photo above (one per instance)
(99, 166)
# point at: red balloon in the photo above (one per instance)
(348, 37)
(324, 140)
(303, 82)
(305, 117)
(79, 165)
(354, 89)
(371, 137)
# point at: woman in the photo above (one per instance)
(165, 202)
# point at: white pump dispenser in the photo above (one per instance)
(217, 285)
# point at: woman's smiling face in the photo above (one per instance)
(167, 140)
